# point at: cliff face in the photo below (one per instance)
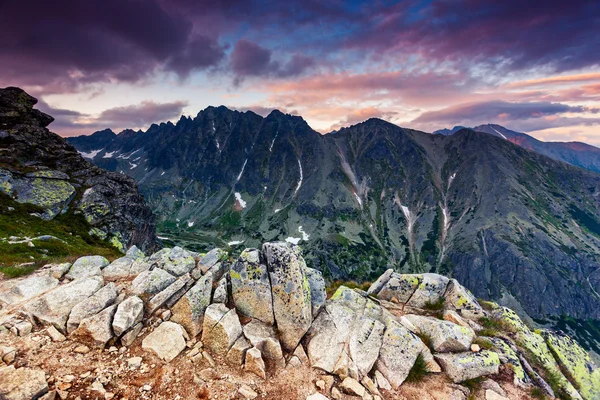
(39, 167)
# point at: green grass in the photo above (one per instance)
(426, 339)
(72, 229)
(418, 371)
(435, 305)
(484, 344)
(538, 393)
(473, 384)
(493, 326)
(334, 285)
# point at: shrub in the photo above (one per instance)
(435, 305)
(538, 393)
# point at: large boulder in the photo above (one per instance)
(383, 279)
(129, 312)
(211, 258)
(189, 310)
(54, 307)
(365, 343)
(91, 306)
(431, 290)
(318, 294)
(171, 291)
(166, 341)
(445, 336)
(398, 287)
(509, 356)
(460, 299)
(462, 366)
(149, 283)
(27, 288)
(22, 383)
(97, 329)
(221, 328)
(118, 269)
(251, 287)
(177, 261)
(87, 266)
(576, 362)
(291, 292)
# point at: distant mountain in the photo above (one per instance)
(39, 168)
(513, 225)
(447, 131)
(575, 153)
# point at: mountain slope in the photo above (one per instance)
(575, 153)
(39, 168)
(506, 221)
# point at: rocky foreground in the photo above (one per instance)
(181, 325)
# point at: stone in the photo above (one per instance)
(55, 335)
(221, 294)
(576, 361)
(58, 271)
(134, 253)
(317, 290)
(166, 341)
(91, 306)
(189, 310)
(254, 363)
(336, 394)
(129, 312)
(400, 287)
(128, 337)
(475, 348)
(460, 299)
(290, 290)
(247, 392)
(8, 354)
(509, 356)
(87, 266)
(370, 385)
(431, 290)
(365, 342)
(445, 336)
(264, 338)
(301, 354)
(251, 288)
(382, 382)
(22, 328)
(398, 353)
(118, 269)
(134, 362)
(491, 395)
(489, 384)
(97, 329)
(221, 328)
(28, 288)
(161, 298)
(452, 316)
(462, 366)
(383, 279)
(149, 283)
(432, 366)
(211, 259)
(237, 354)
(22, 383)
(54, 307)
(178, 262)
(81, 349)
(316, 396)
(352, 387)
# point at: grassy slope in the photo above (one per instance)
(73, 229)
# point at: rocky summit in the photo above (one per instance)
(41, 170)
(181, 325)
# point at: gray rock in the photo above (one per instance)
(352, 387)
(161, 298)
(27, 289)
(87, 266)
(264, 338)
(128, 313)
(177, 262)
(189, 310)
(149, 283)
(430, 290)
(399, 287)
(54, 307)
(237, 354)
(118, 269)
(22, 383)
(398, 353)
(128, 337)
(134, 253)
(317, 290)
(97, 329)
(364, 345)
(290, 291)
(166, 341)
(58, 271)
(221, 294)
(91, 306)
(221, 328)
(211, 259)
(254, 363)
(460, 299)
(55, 335)
(445, 335)
(462, 366)
(383, 279)
(251, 288)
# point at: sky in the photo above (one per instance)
(531, 66)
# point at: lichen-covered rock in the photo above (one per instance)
(364, 344)
(317, 289)
(96, 329)
(211, 258)
(168, 293)
(166, 341)
(291, 292)
(129, 312)
(576, 362)
(189, 310)
(177, 262)
(383, 279)
(399, 287)
(430, 290)
(22, 383)
(264, 338)
(220, 329)
(460, 299)
(91, 306)
(508, 356)
(149, 283)
(251, 287)
(87, 266)
(26, 288)
(462, 366)
(54, 307)
(445, 336)
(221, 294)
(398, 353)
(118, 269)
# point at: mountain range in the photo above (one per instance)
(511, 224)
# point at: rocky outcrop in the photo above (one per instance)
(364, 344)
(42, 169)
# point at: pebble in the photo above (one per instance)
(83, 349)
(475, 348)
(247, 392)
(134, 362)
